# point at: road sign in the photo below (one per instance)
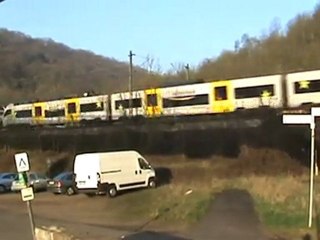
(27, 194)
(310, 120)
(22, 162)
(315, 111)
(297, 119)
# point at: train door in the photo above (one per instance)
(153, 102)
(72, 110)
(222, 97)
(38, 116)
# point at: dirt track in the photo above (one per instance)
(230, 216)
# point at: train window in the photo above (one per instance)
(24, 114)
(38, 111)
(152, 100)
(136, 103)
(220, 93)
(256, 91)
(54, 113)
(8, 112)
(186, 101)
(71, 108)
(92, 107)
(307, 86)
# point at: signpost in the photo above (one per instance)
(22, 162)
(310, 120)
(23, 166)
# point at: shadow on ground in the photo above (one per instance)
(149, 235)
(163, 175)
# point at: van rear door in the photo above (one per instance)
(86, 169)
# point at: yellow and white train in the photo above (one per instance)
(274, 91)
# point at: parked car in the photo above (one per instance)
(36, 180)
(6, 180)
(63, 184)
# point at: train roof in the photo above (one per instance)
(87, 94)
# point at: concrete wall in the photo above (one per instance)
(52, 233)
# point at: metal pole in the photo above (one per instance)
(312, 126)
(187, 71)
(130, 82)
(316, 171)
(31, 220)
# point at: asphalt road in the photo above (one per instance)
(15, 224)
(231, 216)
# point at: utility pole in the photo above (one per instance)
(130, 82)
(187, 67)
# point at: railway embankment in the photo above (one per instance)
(194, 137)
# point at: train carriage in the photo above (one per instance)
(186, 100)
(258, 92)
(54, 112)
(20, 114)
(120, 105)
(303, 88)
(94, 108)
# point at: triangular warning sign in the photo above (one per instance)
(22, 163)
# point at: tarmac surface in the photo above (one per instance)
(231, 216)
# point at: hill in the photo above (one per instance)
(42, 69)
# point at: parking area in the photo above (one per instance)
(83, 217)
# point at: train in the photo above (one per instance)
(288, 90)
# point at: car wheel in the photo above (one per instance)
(70, 191)
(2, 189)
(112, 191)
(152, 183)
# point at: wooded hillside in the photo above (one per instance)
(42, 69)
(295, 48)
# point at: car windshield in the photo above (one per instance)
(61, 176)
(6, 175)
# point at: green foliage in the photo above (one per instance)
(279, 216)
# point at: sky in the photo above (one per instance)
(169, 32)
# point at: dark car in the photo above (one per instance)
(36, 180)
(63, 184)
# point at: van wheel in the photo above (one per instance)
(112, 191)
(2, 189)
(152, 183)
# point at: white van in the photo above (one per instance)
(110, 172)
